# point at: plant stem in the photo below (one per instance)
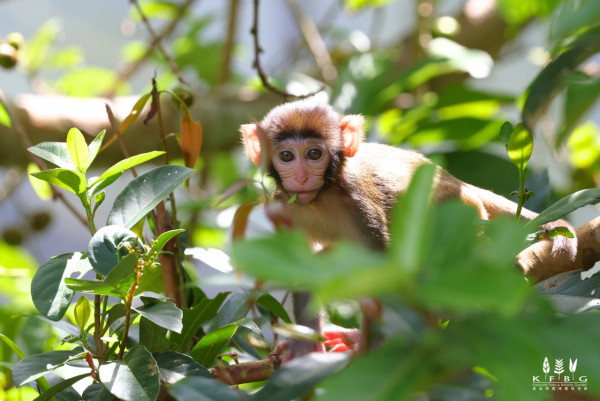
(128, 302)
(521, 194)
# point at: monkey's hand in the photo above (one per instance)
(340, 339)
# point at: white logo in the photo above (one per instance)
(558, 378)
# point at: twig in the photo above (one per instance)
(158, 43)
(115, 127)
(315, 42)
(225, 74)
(40, 163)
(132, 68)
(263, 77)
(247, 372)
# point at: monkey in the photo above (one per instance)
(335, 186)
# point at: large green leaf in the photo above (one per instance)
(35, 366)
(78, 149)
(573, 16)
(117, 283)
(211, 345)
(135, 378)
(103, 247)
(70, 180)
(299, 376)
(565, 206)
(204, 389)
(49, 292)
(235, 308)
(409, 228)
(174, 366)
(165, 314)
(194, 318)
(142, 194)
(127, 164)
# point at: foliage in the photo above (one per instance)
(128, 318)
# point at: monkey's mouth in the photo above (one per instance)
(303, 197)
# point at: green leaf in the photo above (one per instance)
(88, 82)
(4, 116)
(205, 352)
(48, 290)
(409, 228)
(174, 367)
(553, 77)
(565, 206)
(520, 146)
(235, 308)
(36, 366)
(152, 336)
(505, 131)
(70, 180)
(82, 312)
(127, 164)
(142, 194)
(298, 377)
(203, 388)
(165, 237)
(274, 306)
(94, 148)
(103, 247)
(54, 152)
(78, 149)
(97, 392)
(97, 186)
(133, 379)
(164, 314)
(117, 283)
(570, 293)
(14, 347)
(41, 188)
(194, 318)
(574, 16)
(60, 386)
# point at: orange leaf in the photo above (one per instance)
(191, 140)
(240, 220)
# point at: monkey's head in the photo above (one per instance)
(305, 143)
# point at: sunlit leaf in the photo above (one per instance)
(133, 115)
(94, 148)
(82, 312)
(54, 152)
(4, 117)
(126, 164)
(42, 188)
(355, 5)
(274, 306)
(70, 180)
(584, 145)
(78, 149)
(165, 237)
(164, 314)
(520, 146)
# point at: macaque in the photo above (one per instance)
(344, 188)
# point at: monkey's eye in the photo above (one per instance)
(314, 154)
(286, 156)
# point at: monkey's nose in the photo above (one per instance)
(301, 180)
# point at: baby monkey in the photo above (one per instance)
(344, 188)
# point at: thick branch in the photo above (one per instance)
(247, 372)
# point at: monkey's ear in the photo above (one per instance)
(352, 133)
(251, 142)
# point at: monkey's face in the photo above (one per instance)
(301, 165)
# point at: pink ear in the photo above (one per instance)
(251, 142)
(352, 133)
